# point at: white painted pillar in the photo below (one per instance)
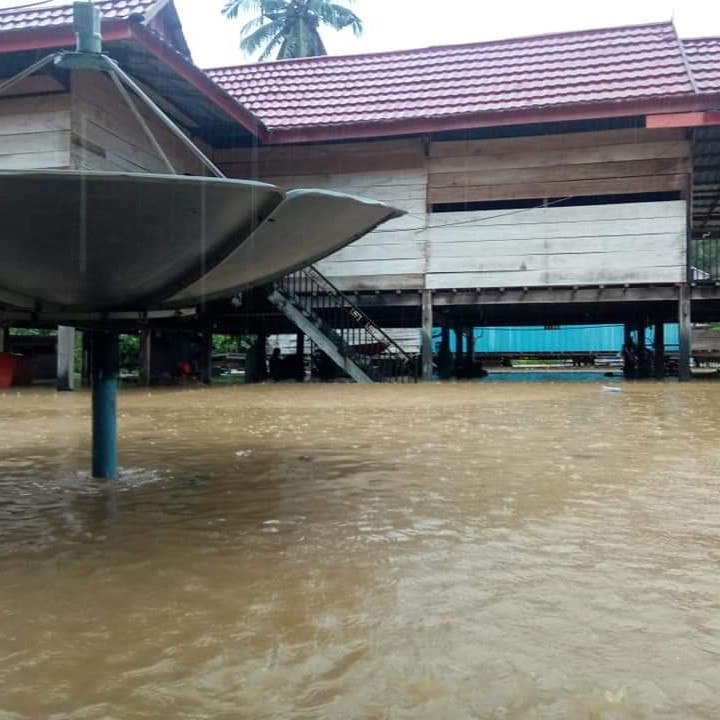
(65, 358)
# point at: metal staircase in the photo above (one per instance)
(341, 329)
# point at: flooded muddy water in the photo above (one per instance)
(449, 551)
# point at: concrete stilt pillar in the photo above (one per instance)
(105, 370)
(659, 356)
(426, 339)
(65, 358)
(685, 333)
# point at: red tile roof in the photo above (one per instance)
(703, 56)
(597, 66)
(31, 15)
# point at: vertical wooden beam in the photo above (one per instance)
(86, 358)
(459, 338)
(641, 336)
(146, 338)
(65, 358)
(206, 357)
(444, 354)
(300, 356)
(426, 339)
(659, 359)
(470, 351)
(628, 367)
(685, 332)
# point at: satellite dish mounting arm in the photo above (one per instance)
(89, 56)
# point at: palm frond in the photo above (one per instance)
(251, 43)
(290, 26)
(233, 8)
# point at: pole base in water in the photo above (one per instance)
(105, 370)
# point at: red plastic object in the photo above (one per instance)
(9, 368)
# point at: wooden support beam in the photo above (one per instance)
(470, 348)
(65, 358)
(641, 335)
(659, 356)
(146, 357)
(206, 357)
(682, 120)
(685, 333)
(427, 330)
(459, 337)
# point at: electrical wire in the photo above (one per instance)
(28, 6)
(473, 221)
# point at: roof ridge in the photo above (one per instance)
(686, 62)
(448, 46)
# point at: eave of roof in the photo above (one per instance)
(135, 29)
(609, 74)
(131, 29)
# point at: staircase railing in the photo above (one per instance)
(353, 332)
(705, 259)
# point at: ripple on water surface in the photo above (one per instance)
(455, 550)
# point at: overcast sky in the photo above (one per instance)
(399, 24)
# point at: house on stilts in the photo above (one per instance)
(570, 178)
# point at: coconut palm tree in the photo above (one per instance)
(290, 27)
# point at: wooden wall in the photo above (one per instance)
(392, 171)
(107, 136)
(592, 245)
(35, 132)
(552, 166)
(587, 245)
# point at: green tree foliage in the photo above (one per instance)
(290, 28)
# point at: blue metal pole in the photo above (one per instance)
(105, 370)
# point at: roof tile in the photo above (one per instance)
(53, 13)
(703, 56)
(617, 64)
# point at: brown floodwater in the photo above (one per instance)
(445, 551)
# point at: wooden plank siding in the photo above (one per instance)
(559, 246)
(35, 132)
(586, 245)
(598, 163)
(107, 136)
(392, 171)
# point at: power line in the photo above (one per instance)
(28, 6)
(474, 221)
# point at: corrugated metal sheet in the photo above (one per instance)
(597, 66)
(565, 339)
(53, 14)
